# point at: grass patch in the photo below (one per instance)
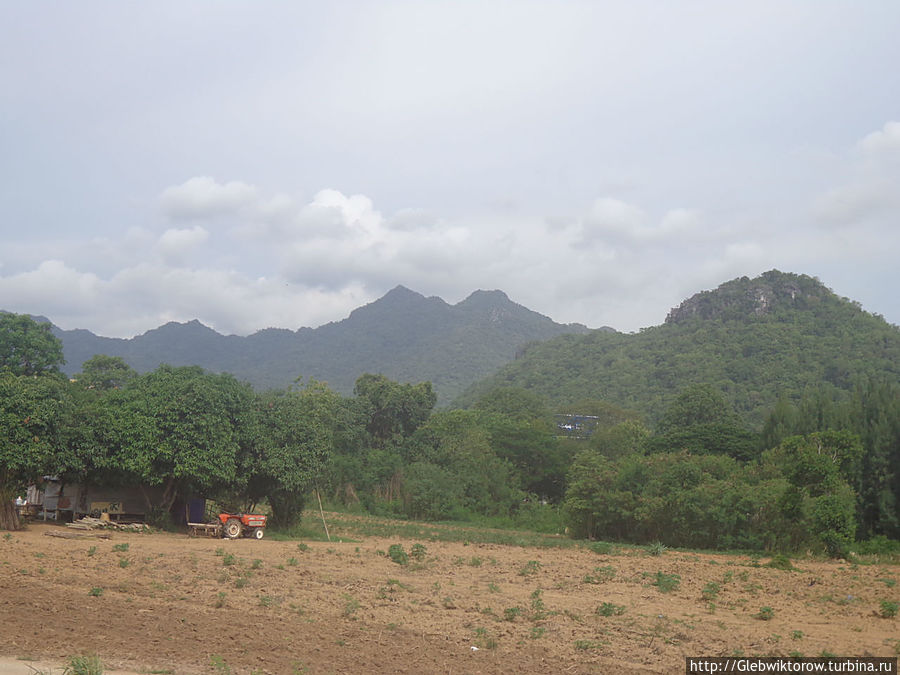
(781, 562)
(610, 609)
(600, 575)
(84, 665)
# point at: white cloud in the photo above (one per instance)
(202, 197)
(869, 193)
(885, 140)
(175, 244)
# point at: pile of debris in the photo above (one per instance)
(90, 523)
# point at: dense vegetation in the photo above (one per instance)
(809, 460)
(754, 340)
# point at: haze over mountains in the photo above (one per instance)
(403, 335)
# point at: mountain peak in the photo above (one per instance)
(747, 298)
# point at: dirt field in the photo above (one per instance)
(174, 604)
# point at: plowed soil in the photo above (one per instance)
(175, 604)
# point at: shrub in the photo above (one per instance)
(397, 554)
(781, 562)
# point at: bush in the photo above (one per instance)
(397, 554)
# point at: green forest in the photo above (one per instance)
(725, 428)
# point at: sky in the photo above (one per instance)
(278, 164)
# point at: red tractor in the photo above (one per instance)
(235, 525)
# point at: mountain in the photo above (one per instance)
(403, 335)
(754, 339)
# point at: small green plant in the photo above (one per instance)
(92, 550)
(587, 645)
(711, 591)
(667, 583)
(493, 588)
(889, 609)
(293, 562)
(417, 552)
(7, 536)
(475, 561)
(121, 548)
(796, 635)
(610, 609)
(484, 640)
(266, 601)
(84, 665)
(537, 632)
(302, 547)
(220, 552)
(657, 548)
(220, 665)
(765, 614)
(229, 560)
(257, 563)
(531, 567)
(600, 575)
(351, 604)
(512, 613)
(220, 599)
(95, 592)
(124, 562)
(397, 554)
(240, 582)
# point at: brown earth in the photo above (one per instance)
(177, 606)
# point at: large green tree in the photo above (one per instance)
(395, 410)
(28, 347)
(294, 440)
(180, 429)
(105, 372)
(33, 412)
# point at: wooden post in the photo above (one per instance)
(322, 513)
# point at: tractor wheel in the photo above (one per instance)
(259, 532)
(232, 528)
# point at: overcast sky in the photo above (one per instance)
(255, 164)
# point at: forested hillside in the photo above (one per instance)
(821, 473)
(404, 335)
(754, 340)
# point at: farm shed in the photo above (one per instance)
(67, 501)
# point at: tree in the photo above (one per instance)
(701, 421)
(455, 442)
(32, 413)
(105, 372)
(395, 410)
(180, 429)
(28, 347)
(295, 442)
(514, 403)
(821, 469)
